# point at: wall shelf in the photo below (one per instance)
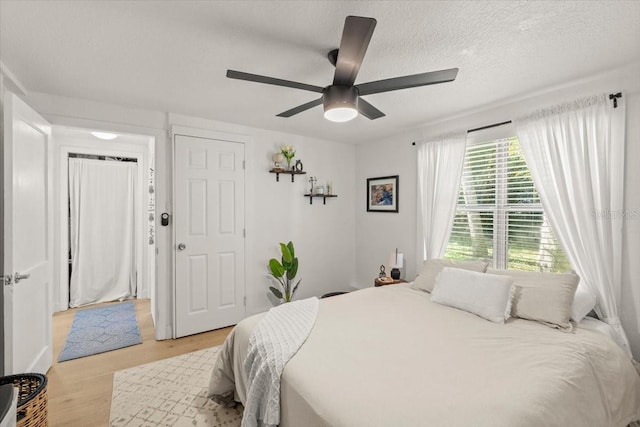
(286, 172)
(324, 197)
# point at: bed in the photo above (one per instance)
(389, 356)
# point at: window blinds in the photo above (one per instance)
(499, 215)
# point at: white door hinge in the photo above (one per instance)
(244, 232)
(245, 300)
(244, 164)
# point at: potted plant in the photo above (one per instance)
(285, 272)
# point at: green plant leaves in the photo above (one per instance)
(293, 270)
(287, 258)
(276, 292)
(295, 288)
(291, 249)
(276, 268)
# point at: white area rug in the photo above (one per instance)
(170, 392)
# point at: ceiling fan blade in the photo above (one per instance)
(415, 80)
(232, 74)
(368, 110)
(301, 108)
(355, 40)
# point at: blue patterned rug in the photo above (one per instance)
(101, 329)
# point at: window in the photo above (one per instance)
(499, 215)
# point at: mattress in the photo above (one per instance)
(388, 356)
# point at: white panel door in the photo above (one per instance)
(209, 239)
(28, 239)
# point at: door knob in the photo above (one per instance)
(18, 277)
(182, 247)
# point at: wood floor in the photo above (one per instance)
(79, 390)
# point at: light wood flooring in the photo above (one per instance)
(79, 390)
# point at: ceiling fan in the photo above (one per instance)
(342, 100)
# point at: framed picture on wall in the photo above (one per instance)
(382, 194)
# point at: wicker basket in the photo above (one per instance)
(32, 398)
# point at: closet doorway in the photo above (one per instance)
(106, 209)
(102, 229)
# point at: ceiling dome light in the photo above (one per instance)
(104, 135)
(340, 103)
(340, 114)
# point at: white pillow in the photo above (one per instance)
(583, 302)
(426, 279)
(544, 297)
(485, 295)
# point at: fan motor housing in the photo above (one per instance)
(340, 97)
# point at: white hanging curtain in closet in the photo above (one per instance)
(102, 230)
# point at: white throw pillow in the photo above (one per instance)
(426, 279)
(583, 302)
(485, 295)
(544, 297)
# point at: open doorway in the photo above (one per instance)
(94, 168)
(103, 266)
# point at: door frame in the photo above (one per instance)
(248, 195)
(145, 253)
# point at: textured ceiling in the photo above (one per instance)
(172, 55)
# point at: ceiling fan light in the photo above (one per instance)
(340, 114)
(340, 103)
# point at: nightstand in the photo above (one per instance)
(377, 282)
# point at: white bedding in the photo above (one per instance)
(387, 356)
(276, 338)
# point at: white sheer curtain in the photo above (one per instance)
(576, 156)
(102, 230)
(440, 165)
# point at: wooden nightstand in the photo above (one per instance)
(377, 282)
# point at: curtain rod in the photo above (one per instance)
(102, 157)
(612, 96)
(482, 128)
(495, 125)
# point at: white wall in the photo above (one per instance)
(276, 211)
(379, 233)
(376, 233)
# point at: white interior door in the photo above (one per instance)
(209, 239)
(28, 239)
